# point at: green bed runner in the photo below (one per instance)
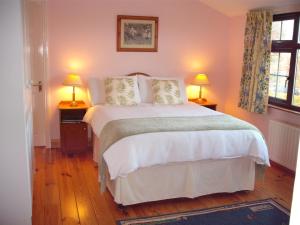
(115, 130)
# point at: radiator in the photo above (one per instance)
(283, 143)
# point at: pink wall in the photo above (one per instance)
(236, 43)
(192, 38)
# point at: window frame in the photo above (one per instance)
(290, 46)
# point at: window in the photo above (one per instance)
(284, 89)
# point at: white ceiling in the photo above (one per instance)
(240, 7)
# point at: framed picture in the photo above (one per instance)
(137, 33)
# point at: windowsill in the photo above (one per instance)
(283, 109)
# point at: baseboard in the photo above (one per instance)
(55, 143)
(287, 170)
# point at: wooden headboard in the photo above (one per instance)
(138, 73)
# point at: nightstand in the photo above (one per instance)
(206, 104)
(73, 131)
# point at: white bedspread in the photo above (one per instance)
(144, 150)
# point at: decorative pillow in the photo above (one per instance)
(122, 91)
(145, 86)
(166, 92)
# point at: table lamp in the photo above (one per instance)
(74, 81)
(199, 80)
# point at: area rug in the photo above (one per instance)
(262, 212)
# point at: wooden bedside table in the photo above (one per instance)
(73, 131)
(206, 104)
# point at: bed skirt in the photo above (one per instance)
(190, 179)
(177, 180)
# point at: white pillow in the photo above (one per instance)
(145, 86)
(96, 90)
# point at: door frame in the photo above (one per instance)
(46, 75)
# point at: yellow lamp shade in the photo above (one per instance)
(200, 79)
(193, 91)
(72, 80)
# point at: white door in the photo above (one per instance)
(35, 23)
(15, 119)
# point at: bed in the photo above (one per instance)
(164, 165)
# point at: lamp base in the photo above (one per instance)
(73, 104)
(199, 100)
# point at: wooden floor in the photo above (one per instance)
(66, 191)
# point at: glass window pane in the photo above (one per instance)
(274, 63)
(282, 30)
(279, 71)
(296, 92)
(284, 63)
(276, 29)
(272, 85)
(281, 91)
(287, 30)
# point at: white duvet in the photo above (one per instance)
(144, 150)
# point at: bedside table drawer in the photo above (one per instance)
(71, 115)
(74, 137)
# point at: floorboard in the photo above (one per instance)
(68, 199)
(52, 205)
(38, 205)
(66, 191)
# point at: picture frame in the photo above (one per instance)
(137, 33)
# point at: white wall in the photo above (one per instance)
(295, 216)
(82, 39)
(15, 120)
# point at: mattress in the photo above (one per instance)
(150, 149)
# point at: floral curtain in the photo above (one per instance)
(256, 67)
